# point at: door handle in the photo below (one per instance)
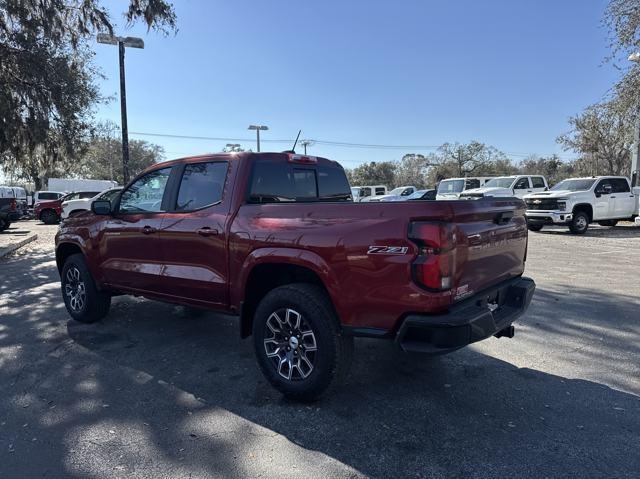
(147, 230)
(612, 197)
(206, 231)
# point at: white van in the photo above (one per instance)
(451, 188)
(359, 193)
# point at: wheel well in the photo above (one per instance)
(266, 277)
(587, 208)
(75, 212)
(64, 251)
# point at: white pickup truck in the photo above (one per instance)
(576, 202)
(71, 207)
(515, 185)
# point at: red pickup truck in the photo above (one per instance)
(276, 239)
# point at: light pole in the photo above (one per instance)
(635, 57)
(122, 42)
(258, 128)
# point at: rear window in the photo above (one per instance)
(619, 185)
(48, 196)
(274, 182)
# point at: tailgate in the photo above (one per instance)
(491, 243)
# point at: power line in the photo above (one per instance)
(341, 144)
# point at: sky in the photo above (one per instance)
(508, 73)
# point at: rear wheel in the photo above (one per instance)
(534, 226)
(4, 224)
(84, 302)
(49, 217)
(580, 223)
(298, 341)
(608, 222)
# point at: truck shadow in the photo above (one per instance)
(463, 414)
(155, 384)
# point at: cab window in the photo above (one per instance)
(145, 194)
(201, 185)
(522, 184)
(538, 181)
(619, 185)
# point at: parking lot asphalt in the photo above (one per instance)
(157, 391)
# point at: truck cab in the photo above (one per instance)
(452, 188)
(514, 185)
(577, 202)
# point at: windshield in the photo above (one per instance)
(504, 182)
(450, 186)
(417, 195)
(355, 191)
(574, 185)
(396, 191)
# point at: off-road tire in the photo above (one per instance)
(334, 350)
(95, 304)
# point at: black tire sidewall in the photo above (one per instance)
(319, 320)
(48, 217)
(534, 227)
(92, 310)
(574, 228)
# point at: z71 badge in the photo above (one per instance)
(387, 250)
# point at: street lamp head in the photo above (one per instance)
(131, 42)
(635, 57)
(258, 127)
(107, 39)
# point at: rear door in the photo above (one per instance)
(130, 253)
(623, 199)
(193, 234)
(538, 184)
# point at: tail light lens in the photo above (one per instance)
(434, 268)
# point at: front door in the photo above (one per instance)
(193, 235)
(130, 253)
(522, 187)
(604, 204)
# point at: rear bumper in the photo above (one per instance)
(474, 319)
(548, 217)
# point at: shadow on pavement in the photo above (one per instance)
(153, 386)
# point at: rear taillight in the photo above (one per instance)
(434, 268)
(13, 205)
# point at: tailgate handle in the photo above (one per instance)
(503, 218)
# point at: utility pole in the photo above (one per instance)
(306, 143)
(122, 42)
(635, 172)
(258, 128)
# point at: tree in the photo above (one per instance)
(102, 157)
(603, 135)
(374, 173)
(412, 170)
(46, 79)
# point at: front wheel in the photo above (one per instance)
(298, 341)
(84, 302)
(580, 223)
(534, 227)
(49, 217)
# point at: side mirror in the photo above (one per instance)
(101, 207)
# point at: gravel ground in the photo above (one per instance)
(154, 391)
